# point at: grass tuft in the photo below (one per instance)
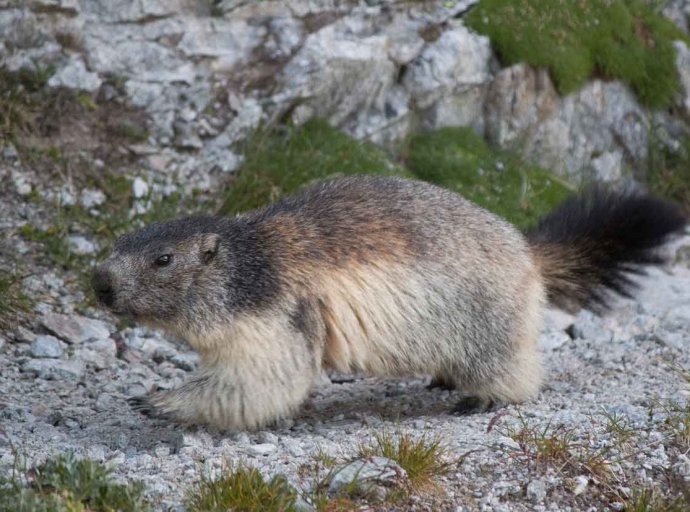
(543, 446)
(650, 499)
(612, 39)
(17, 90)
(66, 483)
(423, 458)
(14, 304)
(241, 488)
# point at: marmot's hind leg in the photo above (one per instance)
(475, 405)
(519, 380)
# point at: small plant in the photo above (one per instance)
(619, 426)
(241, 488)
(677, 424)
(650, 499)
(129, 130)
(559, 448)
(86, 101)
(542, 446)
(669, 171)
(323, 458)
(65, 483)
(14, 304)
(423, 458)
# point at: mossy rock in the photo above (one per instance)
(460, 160)
(276, 165)
(577, 40)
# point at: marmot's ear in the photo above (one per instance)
(209, 246)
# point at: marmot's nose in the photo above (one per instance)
(102, 285)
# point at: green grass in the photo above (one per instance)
(460, 160)
(455, 158)
(278, 164)
(423, 458)
(241, 488)
(580, 39)
(65, 483)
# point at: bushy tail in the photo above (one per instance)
(588, 247)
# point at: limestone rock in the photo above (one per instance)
(46, 347)
(457, 61)
(366, 476)
(337, 74)
(75, 329)
(75, 76)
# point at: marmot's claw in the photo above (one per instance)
(437, 382)
(475, 405)
(143, 405)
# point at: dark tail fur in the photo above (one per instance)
(588, 247)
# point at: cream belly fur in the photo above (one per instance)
(387, 322)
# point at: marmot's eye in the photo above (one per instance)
(164, 260)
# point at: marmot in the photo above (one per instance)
(381, 275)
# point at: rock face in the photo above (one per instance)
(589, 134)
(206, 74)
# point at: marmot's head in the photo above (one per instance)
(158, 272)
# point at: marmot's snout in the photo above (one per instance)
(102, 284)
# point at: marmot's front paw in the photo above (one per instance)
(143, 404)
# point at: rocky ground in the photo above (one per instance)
(611, 423)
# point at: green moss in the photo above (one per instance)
(459, 159)
(241, 488)
(67, 484)
(576, 40)
(276, 165)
